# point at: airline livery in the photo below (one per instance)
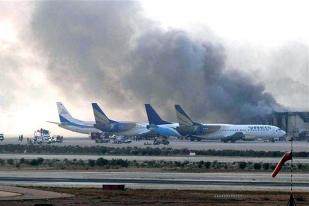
(186, 127)
(72, 124)
(112, 127)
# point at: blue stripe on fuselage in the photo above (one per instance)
(67, 122)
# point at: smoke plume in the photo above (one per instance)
(107, 50)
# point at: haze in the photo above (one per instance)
(222, 60)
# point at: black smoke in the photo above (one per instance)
(107, 50)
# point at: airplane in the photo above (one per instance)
(228, 132)
(198, 131)
(119, 128)
(69, 123)
(159, 126)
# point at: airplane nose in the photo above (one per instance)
(283, 133)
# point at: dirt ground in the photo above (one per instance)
(84, 196)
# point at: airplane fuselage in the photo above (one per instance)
(124, 128)
(226, 131)
(246, 132)
(121, 129)
(82, 127)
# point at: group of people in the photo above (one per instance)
(20, 138)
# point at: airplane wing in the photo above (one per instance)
(234, 137)
(249, 137)
(57, 123)
(240, 136)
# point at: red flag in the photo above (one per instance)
(286, 157)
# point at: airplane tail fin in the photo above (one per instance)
(99, 116)
(182, 117)
(63, 113)
(153, 117)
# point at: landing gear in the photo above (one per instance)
(228, 140)
(198, 139)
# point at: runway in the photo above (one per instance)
(152, 180)
(181, 144)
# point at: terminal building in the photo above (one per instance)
(295, 124)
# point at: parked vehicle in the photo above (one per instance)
(99, 137)
(43, 136)
(161, 140)
(120, 140)
(57, 138)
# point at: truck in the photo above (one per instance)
(160, 140)
(56, 139)
(41, 136)
(99, 137)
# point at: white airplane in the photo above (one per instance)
(224, 132)
(72, 124)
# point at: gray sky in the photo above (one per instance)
(75, 53)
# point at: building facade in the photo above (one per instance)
(295, 124)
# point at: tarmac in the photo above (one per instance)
(282, 146)
(152, 180)
(21, 193)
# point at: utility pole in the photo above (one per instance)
(291, 201)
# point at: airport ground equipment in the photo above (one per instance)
(106, 138)
(99, 137)
(42, 136)
(56, 139)
(158, 141)
(161, 140)
(120, 139)
(1, 137)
